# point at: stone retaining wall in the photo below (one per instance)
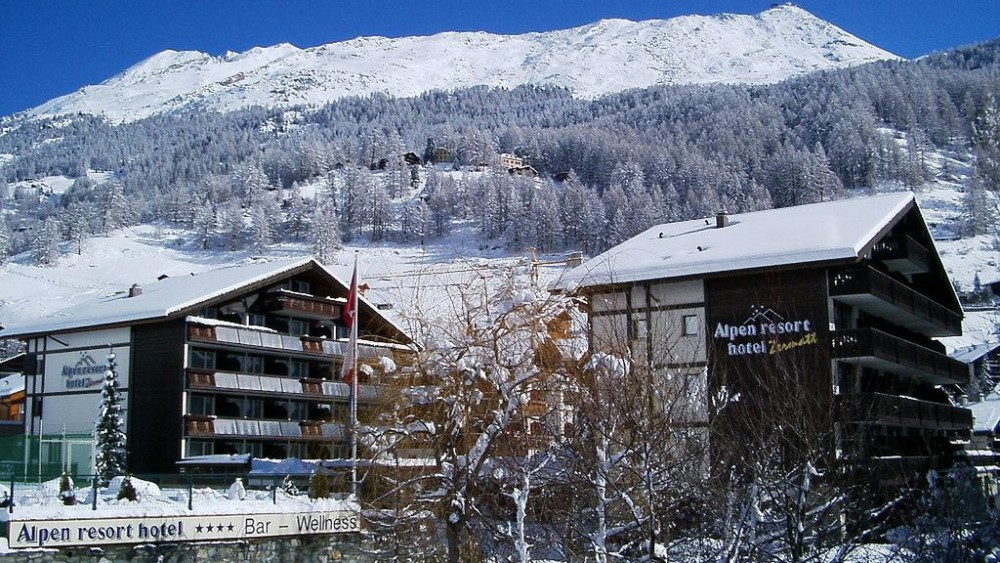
(344, 549)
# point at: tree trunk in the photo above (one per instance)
(454, 537)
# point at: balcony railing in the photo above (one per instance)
(890, 410)
(209, 426)
(272, 384)
(880, 295)
(902, 254)
(874, 348)
(303, 305)
(903, 469)
(262, 338)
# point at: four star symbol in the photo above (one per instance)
(214, 528)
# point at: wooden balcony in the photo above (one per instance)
(902, 254)
(876, 349)
(302, 305)
(890, 410)
(878, 294)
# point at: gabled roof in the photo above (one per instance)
(839, 230)
(176, 297)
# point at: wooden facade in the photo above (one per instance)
(842, 350)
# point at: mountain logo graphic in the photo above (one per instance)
(761, 314)
(84, 366)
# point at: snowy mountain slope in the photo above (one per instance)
(592, 60)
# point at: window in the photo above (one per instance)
(298, 327)
(638, 329)
(298, 369)
(208, 313)
(252, 364)
(201, 404)
(301, 286)
(297, 449)
(297, 411)
(256, 449)
(202, 359)
(253, 408)
(256, 319)
(690, 325)
(200, 447)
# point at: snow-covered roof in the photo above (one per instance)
(216, 459)
(819, 232)
(11, 384)
(169, 297)
(985, 413)
(970, 354)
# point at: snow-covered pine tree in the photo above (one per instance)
(109, 430)
(324, 231)
(46, 242)
(5, 242)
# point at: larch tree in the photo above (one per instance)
(109, 431)
(459, 401)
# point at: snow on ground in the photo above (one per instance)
(42, 502)
(406, 279)
(57, 185)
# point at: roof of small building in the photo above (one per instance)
(986, 413)
(11, 384)
(818, 232)
(170, 297)
(970, 354)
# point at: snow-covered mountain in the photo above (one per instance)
(592, 60)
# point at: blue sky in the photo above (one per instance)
(50, 48)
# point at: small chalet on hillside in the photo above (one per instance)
(240, 360)
(829, 309)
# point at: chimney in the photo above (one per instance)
(136, 289)
(721, 220)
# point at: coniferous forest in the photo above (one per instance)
(607, 168)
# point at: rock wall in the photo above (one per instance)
(345, 549)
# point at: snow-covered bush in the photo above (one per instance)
(237, 491)
(66, 491)
(319, 484)
(127, 490)
(143, 489)
(288, 486)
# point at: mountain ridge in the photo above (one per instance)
(592, 60)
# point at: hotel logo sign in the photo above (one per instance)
(765, 333)
(84, 374)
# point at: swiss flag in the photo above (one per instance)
(351, 308)
(349, 317)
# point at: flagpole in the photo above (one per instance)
(354, 379)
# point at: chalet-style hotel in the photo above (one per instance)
(236, 360)
(823, 313)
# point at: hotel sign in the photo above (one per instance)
(155, 529)
(83, 374)
(765, 332)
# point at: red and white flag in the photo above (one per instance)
(349, 317)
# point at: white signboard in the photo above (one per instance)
(153, 529)
(83, 370)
